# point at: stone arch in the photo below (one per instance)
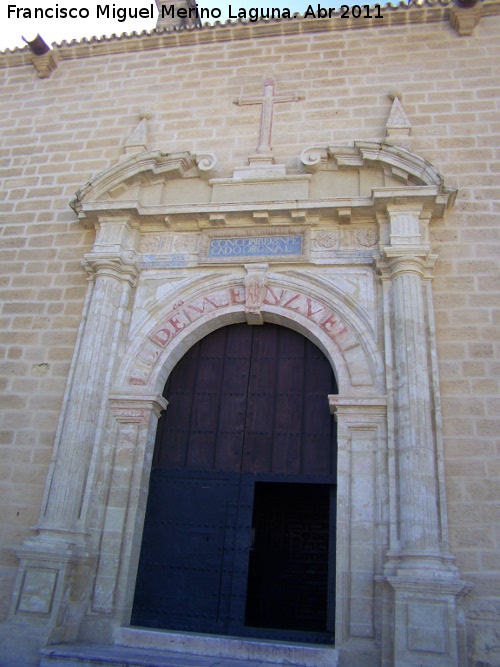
(326, 318)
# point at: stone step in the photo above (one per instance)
(95, 655)
(236, 648)
(147, 648)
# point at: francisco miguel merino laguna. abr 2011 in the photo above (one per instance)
(252, 14)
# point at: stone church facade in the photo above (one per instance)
(335, 177)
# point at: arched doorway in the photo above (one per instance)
(239, 536)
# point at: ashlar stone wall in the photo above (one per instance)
(59, 131)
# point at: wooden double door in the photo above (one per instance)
(240, 522)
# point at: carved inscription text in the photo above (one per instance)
(185, 313)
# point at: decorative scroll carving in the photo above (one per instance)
(313, 158)
(206, 162)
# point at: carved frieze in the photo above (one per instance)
(164, 251)
(336, 244)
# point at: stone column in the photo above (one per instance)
(423, 624)
(59, 590)
(419, 532)
(113, 270)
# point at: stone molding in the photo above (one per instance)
(130, 408)
(149, 165)
(119, 268)
(405, 164)
(357, 407)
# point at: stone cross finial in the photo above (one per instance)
(268, 100)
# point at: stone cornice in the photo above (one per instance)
(415, 12)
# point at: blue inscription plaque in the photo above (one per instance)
(257, 246)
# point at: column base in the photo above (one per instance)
(425, 619)
(51, 589)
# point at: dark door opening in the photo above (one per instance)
(289, 572)
(246, 449)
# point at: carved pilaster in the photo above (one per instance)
(423, 585)
(419, 530)
(362, 512)
(133, 422)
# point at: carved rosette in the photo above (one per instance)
(327, 239)
(367, 237)
(150, 244)
(186, 243)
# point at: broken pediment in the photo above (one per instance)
(140, 180)
(406, 167)
(173, 190)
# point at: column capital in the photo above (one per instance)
(124, 266)
(396, 261)
(129, 408)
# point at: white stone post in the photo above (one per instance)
(422, 620)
